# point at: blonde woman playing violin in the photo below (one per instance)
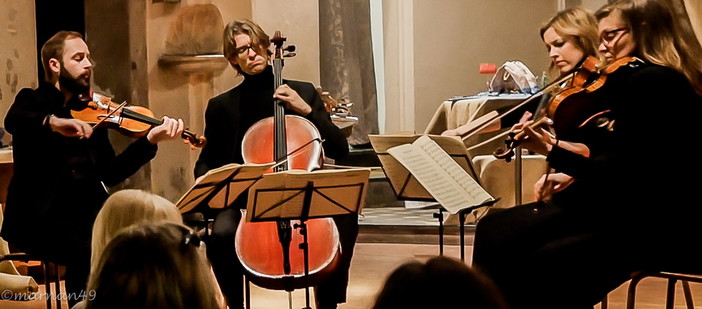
(628, 214)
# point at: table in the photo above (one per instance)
(6, 171)
(457, 111)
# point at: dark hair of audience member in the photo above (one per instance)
(153, 266)
(441, 282)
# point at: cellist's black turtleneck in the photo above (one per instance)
(256, 98)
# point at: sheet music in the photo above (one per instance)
(447, 182)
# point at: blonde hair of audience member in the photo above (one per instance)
(153, 266)
(573, 26)
(441, 282)
(127, 207)
(657, 36)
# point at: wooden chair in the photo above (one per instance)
(46, 266)
(672, 279)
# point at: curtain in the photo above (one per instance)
(346, 54)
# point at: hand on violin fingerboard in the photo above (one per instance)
(540, 141)
(69, 127)
(168, 130)
(292, 100)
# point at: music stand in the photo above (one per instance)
(407, 187)
(219, 187)
(298, 195)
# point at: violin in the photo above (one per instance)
(572, 107)
(133, 121)
(264, 248)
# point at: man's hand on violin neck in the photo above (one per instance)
(168, 130)
(69, 127)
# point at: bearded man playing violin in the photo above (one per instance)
(62, 165)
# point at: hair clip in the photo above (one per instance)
(192, 239)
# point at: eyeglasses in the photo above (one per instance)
(244, 49)
(612, 36)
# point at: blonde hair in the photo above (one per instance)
(577, 25)
(153, 266)
(127, 207)
(658, 37)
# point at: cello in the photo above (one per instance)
(264, 248)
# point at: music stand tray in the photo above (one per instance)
(219, 187)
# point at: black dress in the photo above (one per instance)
(227, 118)
(58, 185)
(629, 209)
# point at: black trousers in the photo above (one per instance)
(229, 271)
(550, 258)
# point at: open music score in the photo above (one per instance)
(440, 175)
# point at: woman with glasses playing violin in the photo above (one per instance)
(570, 251)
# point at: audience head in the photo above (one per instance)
(246, 46)
(570, 37)
(127, 207)
(153, 266)
(441, 282)
(648, 29)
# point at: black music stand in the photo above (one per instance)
(219, 187)
(306, 195)
(406, 187)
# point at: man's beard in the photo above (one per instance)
(75, 85)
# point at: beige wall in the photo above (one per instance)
(18, 67)
(435, 54)
(298, 20)
(180, 94)
(694, 10)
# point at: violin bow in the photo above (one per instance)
(110, 114)
(514, 108)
